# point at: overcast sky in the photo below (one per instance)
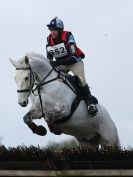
(103, 29)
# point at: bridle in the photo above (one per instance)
(42, 82)
(32, 75)
(38, 85)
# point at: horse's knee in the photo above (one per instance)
(27, 119)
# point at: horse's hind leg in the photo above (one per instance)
(93, 142)
(109, 138)
(34, 114)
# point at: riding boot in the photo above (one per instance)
(92, 109)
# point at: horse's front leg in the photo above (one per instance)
(28, 119)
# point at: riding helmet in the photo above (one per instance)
(56, 23)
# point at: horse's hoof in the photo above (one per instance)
(41, 130)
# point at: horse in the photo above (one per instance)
(51, 99)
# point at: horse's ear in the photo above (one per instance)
(26, 60)
(14, 63)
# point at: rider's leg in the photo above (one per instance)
(78, 70)
(91, 106)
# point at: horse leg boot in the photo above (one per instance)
(92, 109)
(39, 130)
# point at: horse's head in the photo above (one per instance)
(24, 79)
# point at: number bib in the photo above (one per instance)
(58, 50)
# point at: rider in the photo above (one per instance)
(61, 45)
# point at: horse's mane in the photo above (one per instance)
(33, 57)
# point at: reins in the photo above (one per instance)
(60, 75)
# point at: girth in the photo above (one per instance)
(73, 108)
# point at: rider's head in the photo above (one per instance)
(55, 26)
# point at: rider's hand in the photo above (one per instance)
(55, 63)
(50, 56)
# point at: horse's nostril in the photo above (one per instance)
(24, 103)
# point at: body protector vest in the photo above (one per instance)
(62, 49)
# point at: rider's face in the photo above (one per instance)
(54, 33)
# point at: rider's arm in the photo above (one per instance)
(72, 44)
(48, 54)
(73, 47)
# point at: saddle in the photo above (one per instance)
(73, 83)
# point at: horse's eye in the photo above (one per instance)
(26, 78)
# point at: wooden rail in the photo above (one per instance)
(63, 173)
(88, 168)
(66, 165)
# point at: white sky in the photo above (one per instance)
(103, 29)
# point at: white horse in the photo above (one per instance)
(55, 101)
